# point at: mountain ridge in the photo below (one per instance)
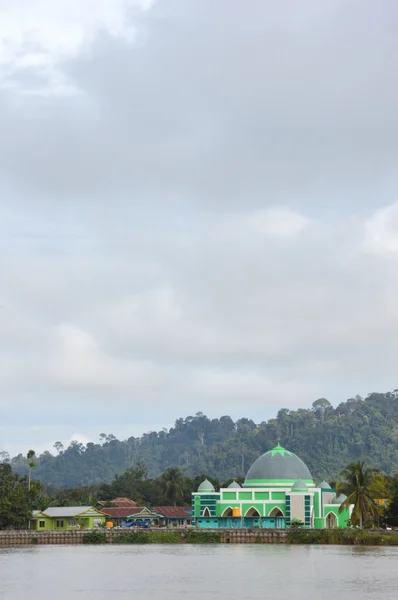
(326, 438)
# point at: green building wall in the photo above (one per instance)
(50, 523)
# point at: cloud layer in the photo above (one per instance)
(199, 210)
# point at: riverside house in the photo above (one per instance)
(159, 516)
(118, 509)
(61, 518)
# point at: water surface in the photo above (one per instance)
(243, 572)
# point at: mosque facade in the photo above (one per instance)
(278, 492)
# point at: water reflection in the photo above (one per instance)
(244, 572)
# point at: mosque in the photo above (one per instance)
(278, 492)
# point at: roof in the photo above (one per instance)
(299, 486)
(325, 486)
(339, 499)
(278, 464)
(174, 512)
(120, 502)
(234, 485)
(206, 486)
(67, 511)
(117, 511)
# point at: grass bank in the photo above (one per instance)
(154, 537)
(343, 537)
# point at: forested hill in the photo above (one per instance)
(326, 438)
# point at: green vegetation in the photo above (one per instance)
(172, 482)
(163, 468)
(326, 438)
(94, 537)
(357, 488)
(197, 536)
(31, 464)
(145, 537)
(18, 497)
(348, 537)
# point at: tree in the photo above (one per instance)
(172, 482)
(16, 500)
(59, 447)
(392, 508)
(321, 407)
(31, 464)
(357, 487)
(4, 456)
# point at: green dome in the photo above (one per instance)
(278, 466)
(206, 486)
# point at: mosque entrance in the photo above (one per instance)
(276, 512)
(331, 521)
(206, 512)
(227, 512)
(252, 512)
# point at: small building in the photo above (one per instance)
(56, 518)
(278, 492)
(122, 502)
(118, 509)
(174, 516)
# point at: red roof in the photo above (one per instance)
(176, 512)
(119, 502)
(117, 511)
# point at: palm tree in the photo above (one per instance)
(356, 487)
(172, 482)
(31, 464)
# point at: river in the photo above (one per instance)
(222, 572)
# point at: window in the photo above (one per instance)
(72, 523)
(42, 524)
(60, 522)
(97, 522)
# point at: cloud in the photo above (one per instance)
(197, 210)
(381, 230)
(277, 222)
(35, 39)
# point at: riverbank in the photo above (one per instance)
(346, 537)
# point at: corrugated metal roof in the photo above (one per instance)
(176, 512)
(67, 511)
(117, 511)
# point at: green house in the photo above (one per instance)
(278, 492)
(66, 518)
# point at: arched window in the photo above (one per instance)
(227, 512)
(276, 512)
(206, 512)
(331, 521)
(252, 512)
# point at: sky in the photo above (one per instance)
(198, 211)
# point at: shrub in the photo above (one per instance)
(202, 537)
(132, 537)
(346, 537)
(94, 537)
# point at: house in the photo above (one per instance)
(174, 516)
(122, 502)
(66, 518)
(118, 509)
(158, 516)
(135, 513)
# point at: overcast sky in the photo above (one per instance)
(199, 210)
